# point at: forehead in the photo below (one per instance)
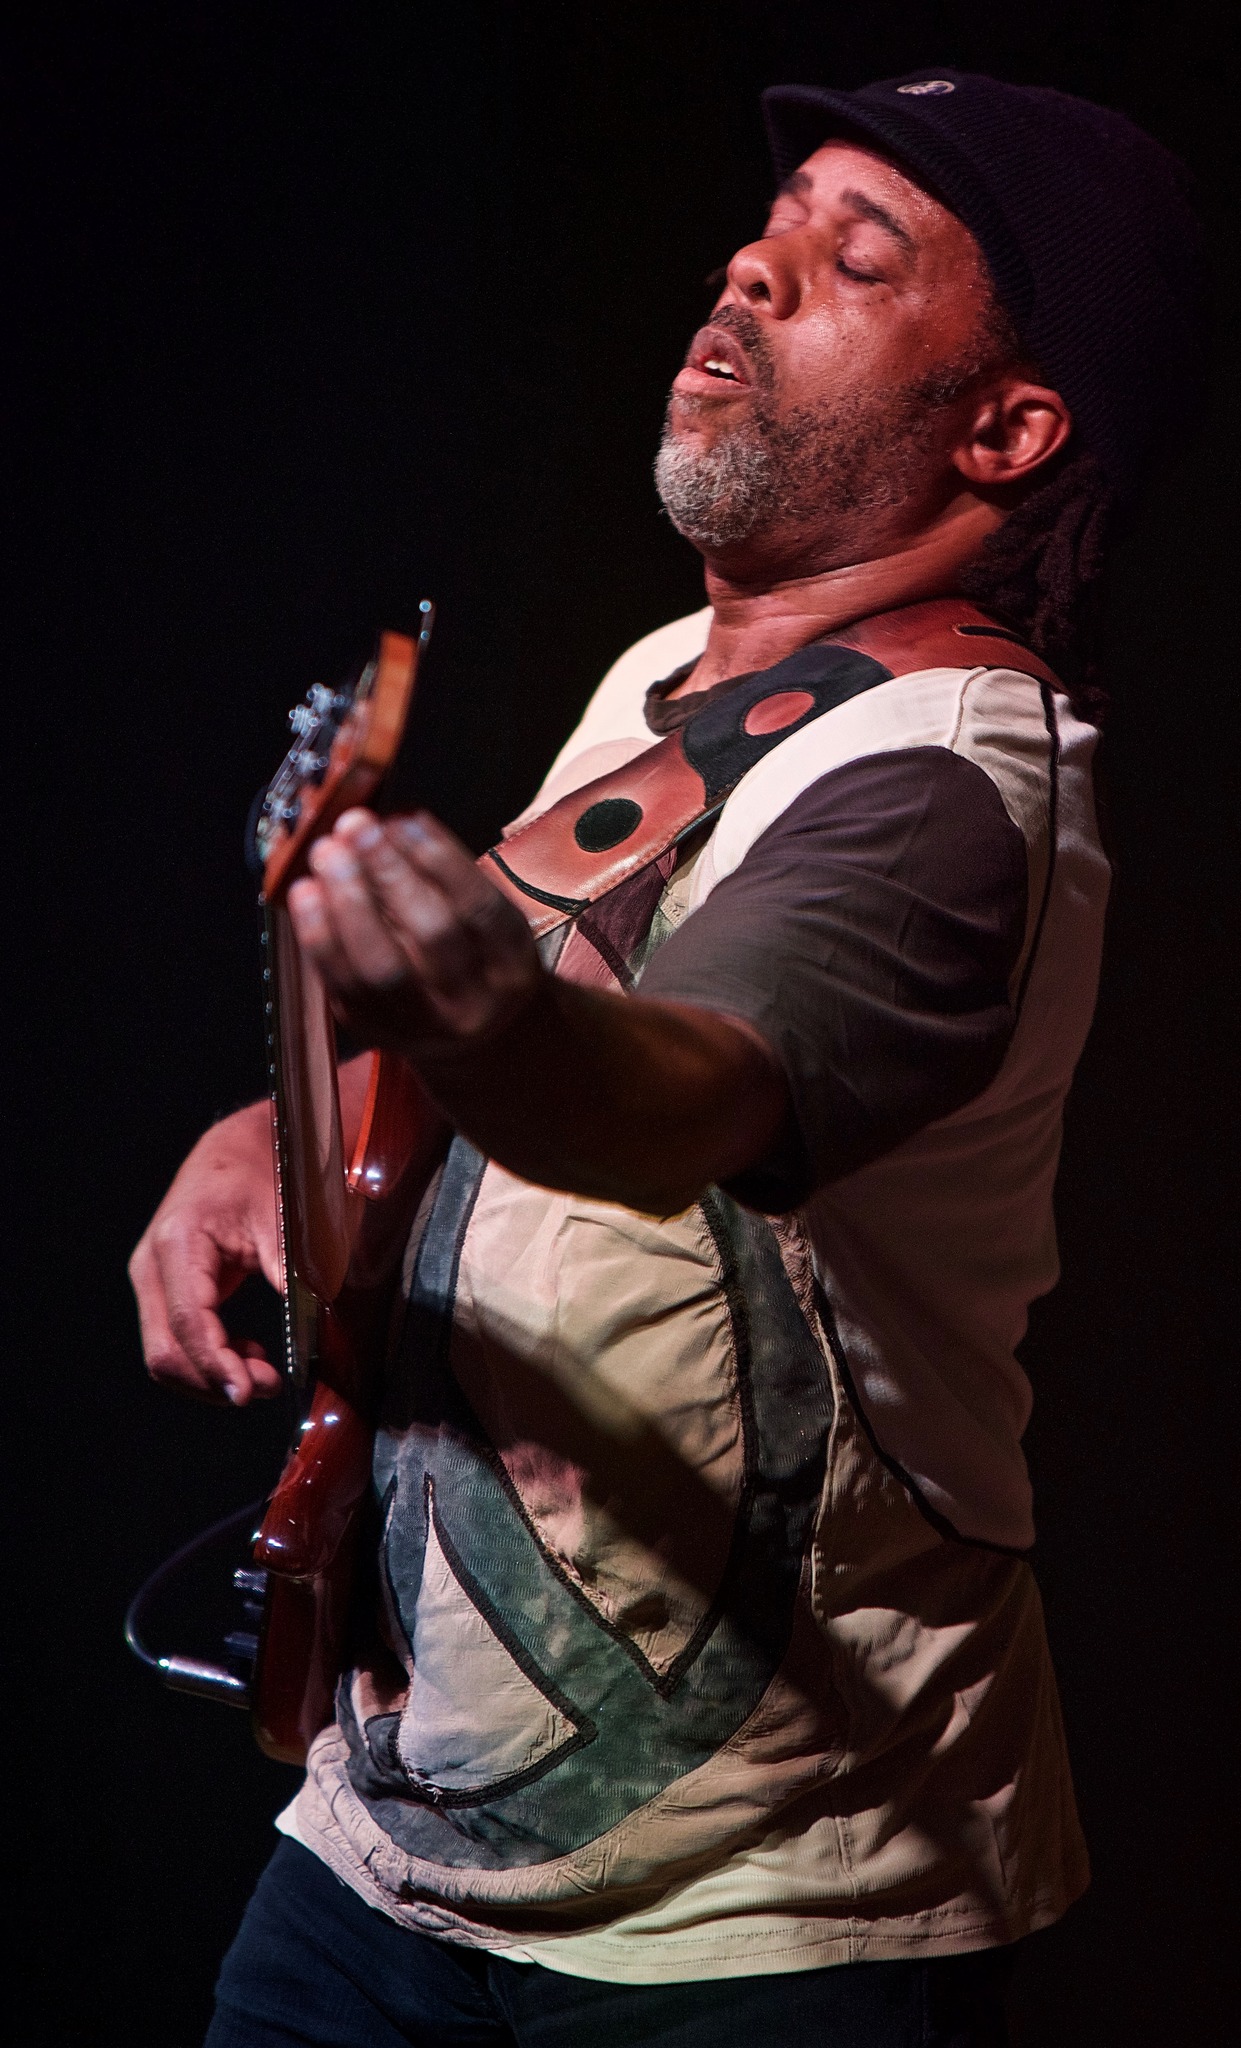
(829, 183)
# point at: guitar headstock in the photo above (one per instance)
(345, 741)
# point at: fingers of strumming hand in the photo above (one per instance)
(201, 1356)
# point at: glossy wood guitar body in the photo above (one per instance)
(343, 1226)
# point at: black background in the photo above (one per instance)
(311, 311)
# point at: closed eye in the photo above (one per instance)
(861, 276)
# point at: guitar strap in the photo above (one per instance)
(565, 861)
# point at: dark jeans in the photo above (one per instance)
(313, 1964)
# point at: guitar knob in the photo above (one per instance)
(242, 1644)
(254, 1583)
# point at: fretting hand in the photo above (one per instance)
(419, 953)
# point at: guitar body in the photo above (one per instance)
(307, 1544)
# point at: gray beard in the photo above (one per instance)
(812, 468)
(720, 495)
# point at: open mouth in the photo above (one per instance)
(715, 362)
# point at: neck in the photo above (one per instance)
(756, 623)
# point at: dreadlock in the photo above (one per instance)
(1039, 573)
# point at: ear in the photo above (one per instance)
(1016, 428)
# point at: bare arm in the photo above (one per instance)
(622, 1098)
(635, 1101)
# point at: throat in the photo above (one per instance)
(754, 625)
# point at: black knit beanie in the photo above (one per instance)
(1086, 225)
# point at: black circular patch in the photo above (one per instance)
(606, 823)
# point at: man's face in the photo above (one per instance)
(817, 410)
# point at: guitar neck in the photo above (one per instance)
(346, 742)
(306, 1140)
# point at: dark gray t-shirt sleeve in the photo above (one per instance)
(869, 935)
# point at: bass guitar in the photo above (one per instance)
(343, 1222)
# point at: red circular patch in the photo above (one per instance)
(772, 714)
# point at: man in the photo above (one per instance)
(709, 1696)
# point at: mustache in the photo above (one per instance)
(747, 330)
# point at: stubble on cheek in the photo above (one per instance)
(804, 467)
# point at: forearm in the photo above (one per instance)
(626, 1100)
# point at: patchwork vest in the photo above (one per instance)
(686, 1550)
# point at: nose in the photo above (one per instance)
(763, 277)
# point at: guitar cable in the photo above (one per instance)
(188, 1674)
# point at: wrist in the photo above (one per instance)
(244, 1134)
(530, 1011)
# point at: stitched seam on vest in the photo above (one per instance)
(584, 1727)
(657, 1681)
(960, 720)
(1053, 820)
(665, 1683)
(806, 736)
(938, 1521)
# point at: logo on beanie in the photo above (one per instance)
(926, 85)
